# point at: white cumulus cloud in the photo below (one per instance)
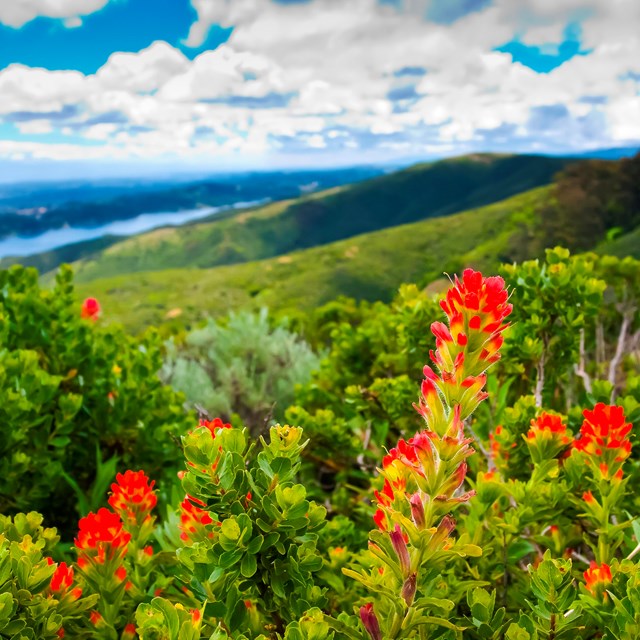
(16, 13)
(344, 76)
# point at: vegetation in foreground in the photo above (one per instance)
(281, 537)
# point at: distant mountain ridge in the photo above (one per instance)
(46, 209)
(420, 192)
(370, 266)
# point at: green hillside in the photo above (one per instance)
(369, 266)
(622, 246)
(423, 191)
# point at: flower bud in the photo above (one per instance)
(400, 547)
(370, 621)
(417, 510)
(409, 589)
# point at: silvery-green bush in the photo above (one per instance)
(244, 365)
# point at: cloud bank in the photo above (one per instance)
(346, 80)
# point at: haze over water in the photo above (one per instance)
(54, 238)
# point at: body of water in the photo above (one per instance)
(55, 238)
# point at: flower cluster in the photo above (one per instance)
(423, 476)
(596, 577)
(604, 440)
(133, 499)
(101, 539)
(113, 556)
(547, 437)
(476, 308)
(214, 425)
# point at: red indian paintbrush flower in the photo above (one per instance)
(101, 538)
(193, 520)
(62, 582)
(547, 437)
(604, 439)
(596, 576)
(476, 308)
(548, 425)
(90, 309)
(476, 302)
(214, 425)
(129, 632)
(133, 497)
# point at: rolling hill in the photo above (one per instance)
(369, 266)
(420, 192)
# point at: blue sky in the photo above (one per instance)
(258, 83)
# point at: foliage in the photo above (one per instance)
(266, 544)
(37, 600)
(560, 296)
(591, 199)
(74, 395)
(243, 366)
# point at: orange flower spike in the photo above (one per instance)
(132, 497)
(62, 582)
(548, 425)
(481, 301)
(101, 540)
(604, 439)
(597, 576)
(547, 437)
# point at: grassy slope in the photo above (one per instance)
(424, 191)
(369, 266)
(626, 245)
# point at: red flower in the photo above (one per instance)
(129, 631)
(483, 301)
(548, 425)
(380, 518)
(193, 520)
(604, 438)
(90, 309)
(597, 575)
(101, 538)
(214, 425)
(132, 497)
(62, 581)
(95, 618)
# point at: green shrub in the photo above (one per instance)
(243, 366)
(73, 395)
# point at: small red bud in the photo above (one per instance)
(370, 621)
